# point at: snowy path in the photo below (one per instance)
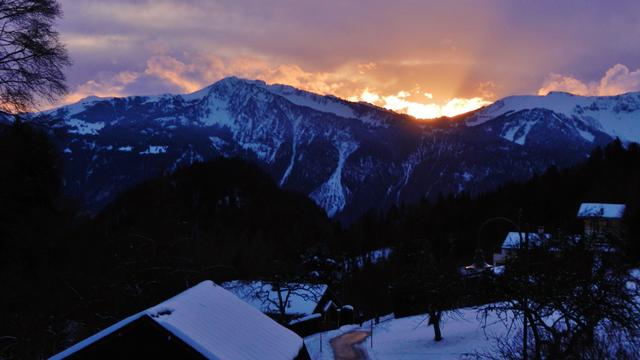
(410, 338)
(345, 346)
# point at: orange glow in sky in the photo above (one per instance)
(424, 58)
(421, 105)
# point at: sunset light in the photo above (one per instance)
(451, 71)
(425, 109)
(287, 180)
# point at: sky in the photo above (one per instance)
(425, 58)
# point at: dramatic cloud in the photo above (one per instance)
(105, 86)
(557, 82)
(617, 80)
(206, 69)
(469, 50)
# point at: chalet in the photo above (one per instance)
(601, 220)
(204, 322)
(513, 241)
(303, 304)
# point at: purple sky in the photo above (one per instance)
(401, 52)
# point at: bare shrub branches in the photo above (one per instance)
(577, 304)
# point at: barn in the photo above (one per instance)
(203, 322)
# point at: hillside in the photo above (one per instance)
(550, 199)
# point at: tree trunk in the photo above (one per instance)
(435, 319)
(536, 336)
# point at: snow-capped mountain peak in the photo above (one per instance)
(617, 116)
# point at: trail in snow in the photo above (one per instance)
(346, 346)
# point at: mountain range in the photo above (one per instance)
(348, 157)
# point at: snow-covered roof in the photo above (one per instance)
(215, 323)
(512, 240)
(303, 298)
(305, 318)
(607, 211)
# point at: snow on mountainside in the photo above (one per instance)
(617, 116)
(363, 111)
(348, 157)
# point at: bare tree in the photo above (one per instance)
(577, 303)
(32, 57)
(292, 286)
(276, 297)
(287, 292)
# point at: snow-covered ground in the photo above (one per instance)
(411, 338)
(464, 333)
(318, 344)
(154, 149)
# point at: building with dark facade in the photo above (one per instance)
(203, 322)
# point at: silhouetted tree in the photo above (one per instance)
(32, 57)
(33, 253)
(429, 278)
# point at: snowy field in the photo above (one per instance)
(411, 338)
(464, 334)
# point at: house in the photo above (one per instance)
(601, 220)
(204, 322)
(512, 241)
(302, 303)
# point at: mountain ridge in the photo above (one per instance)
(348, 157)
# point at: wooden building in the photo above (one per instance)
(203, 322)
(601, 220)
